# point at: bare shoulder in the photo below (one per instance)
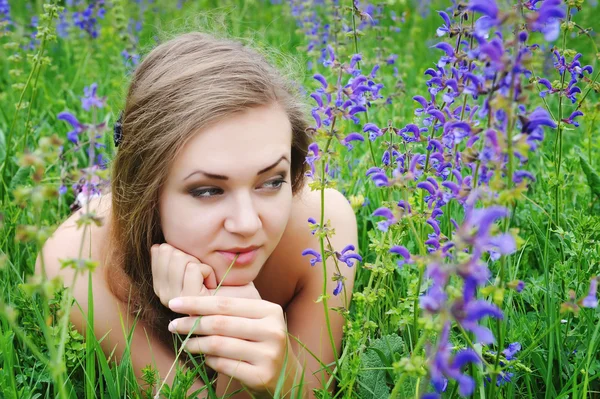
(298, 237)
(70, 240)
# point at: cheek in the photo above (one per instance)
(186, 228)
(278, 216)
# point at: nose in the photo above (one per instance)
(243, 217)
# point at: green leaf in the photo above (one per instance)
(372, 384)
(553, 255)
(20, 177)
(592, 176)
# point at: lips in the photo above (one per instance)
(246, 255)
(240, 250)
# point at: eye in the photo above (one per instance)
(207, 192)
(275, 184)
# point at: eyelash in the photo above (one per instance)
(197, 193)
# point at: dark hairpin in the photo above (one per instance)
(118, 130)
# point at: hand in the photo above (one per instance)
(176, 273)
(245, 339)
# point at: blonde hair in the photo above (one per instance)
(181, 86)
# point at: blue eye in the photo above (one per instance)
(276, 184)
(206, 192)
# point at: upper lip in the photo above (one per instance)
(239, 249)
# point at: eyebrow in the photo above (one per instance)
(222, 177)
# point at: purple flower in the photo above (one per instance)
(373, 131)
(539, 117)
(591, 300)
(547, 19)
(90, 99)
(321, 79)
(512, 350)
(517, 285)
(445, 365)
(446, 27)
(388, 215)
(311, 159)
(403, 252)
(485, 7)
(352, 137)
(347, 257)
(78, 128)
(317, 256)
(469, 314)
(338, 288)
(571, 119)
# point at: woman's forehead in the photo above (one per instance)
(252, 139)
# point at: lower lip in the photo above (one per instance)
(245, 258)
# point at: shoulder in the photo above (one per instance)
(298, 236)
(69, 238)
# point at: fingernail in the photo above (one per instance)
(173, 325)
(175, 303)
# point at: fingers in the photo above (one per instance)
(230, 326)
(247, 291)
(194, 280)
(176, 268)
(176, 273)
(159, 272)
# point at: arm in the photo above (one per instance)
(111, 317)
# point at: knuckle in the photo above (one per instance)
(219, 324)
(165, 248)
(224, 304)
(277, 310)
(271, 355)
(178, 254)
(279, 335)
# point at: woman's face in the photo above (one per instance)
(229, 189)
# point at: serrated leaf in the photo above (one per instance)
(592, 176)
(372, 384)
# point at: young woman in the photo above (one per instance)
(210, 169)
